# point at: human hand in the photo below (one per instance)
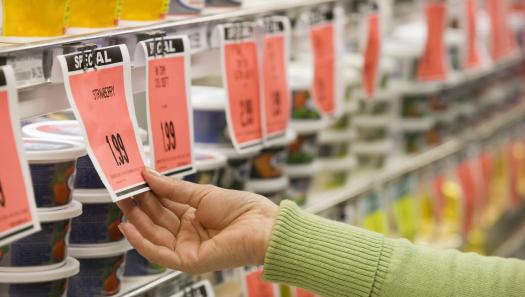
(197, 228)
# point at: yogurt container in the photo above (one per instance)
(237, 170)
(371, 129)
(86, 176)
(271, 161)
(99, 220)
(208, 164)
(49, 283)
(100, 269)
(301, 179)
(209, 116)
(381, 104)
(273, 189)
(334, 173)
(137, 266)
(334, 145)
(371, 156)
(44, 250)
(52, 164)
(304, 150)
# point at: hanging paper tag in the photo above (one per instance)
(98, 87)
(170, 120)
(472, 54)
(502, 41)
(432, 65)
(17, 203)
(372, 54)
(255, 286)
(322, 39)
(276, 93)
(241, 78)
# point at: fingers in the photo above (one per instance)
(157, 254)
(175, 189)
(159, 214)
(154, 233)
(178, 209)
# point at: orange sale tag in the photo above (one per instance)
(276, 99)
(170, 120)
(255, 286)
(322, 39)
(98, 87)
(432, 65)
(17, 203)
(372, 54)
(502, 42)
(241, 76)
(472, 54)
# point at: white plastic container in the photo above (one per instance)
(301, 178)
(52, 164)
(46, 249)
(274, 189)
(237, 170)
(334, 144)
(99, 220)
(100, 269)
(208, 164)
(334, 173)
(271, 161)
(48, 283)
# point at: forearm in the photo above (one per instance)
(333, 259)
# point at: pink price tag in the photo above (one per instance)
(241, 75)
(472, 55)
(256, 286)
(502, 42)
(99, 91)
(432, 65)
(170, 119)
(323, 47)
(275, 79)
(372, 53)
(17, 203)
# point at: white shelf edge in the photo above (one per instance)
(138, 287)
(362, 184)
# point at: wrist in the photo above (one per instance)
(270, 216)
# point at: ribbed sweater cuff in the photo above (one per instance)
(326, 257)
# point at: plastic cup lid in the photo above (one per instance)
(38, 149)
(92, 196)
(303, 170)
(331, 136)
(208, 160)
(229, 151)
(72, 210)
(208, 98)
(417, 125)
(69, 269)
(267, 185)
(284, 140)
(380, 148)
(63, 130)
(346, 164)
(379, 96)
(94, 251)
(372, 121)
(309, 126)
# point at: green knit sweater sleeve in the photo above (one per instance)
(334, 259)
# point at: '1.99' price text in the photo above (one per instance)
(169, 140)
(118, 150)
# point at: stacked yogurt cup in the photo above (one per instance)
(95, 240)
(212, 135)
(40, 263)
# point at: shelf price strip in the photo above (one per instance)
(240, 67)
(170, 120)
(17, 203)
(276, 92)
(98, 87)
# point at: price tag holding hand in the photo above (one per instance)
(275, 55)
(17, 203)
(432, 65)
(240, 69)
(98, 87)
(170, 120)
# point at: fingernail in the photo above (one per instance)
(152, 171)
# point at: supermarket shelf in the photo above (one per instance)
(515, 242)
(132, 288)
(368, 182)
(169, 25)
